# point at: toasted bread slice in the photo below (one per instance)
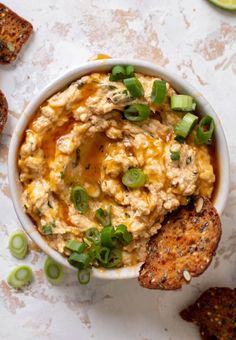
(215, 313)
(3, 111)
(14, 32)
(184, 246)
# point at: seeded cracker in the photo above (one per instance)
(3, 111)
(215, 313)
(183, 248)
(14, 32)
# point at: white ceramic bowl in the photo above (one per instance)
(96, 66)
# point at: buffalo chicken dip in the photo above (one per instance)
(105, 159)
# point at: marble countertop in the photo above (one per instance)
(190, 38)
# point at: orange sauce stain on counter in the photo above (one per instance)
(100, 57)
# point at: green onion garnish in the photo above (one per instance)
(175, 155)
(20, 276)
(18, 244)
(80, 261)
(205, 130)
(158, 91)
(47, 228)
(107, 237)
(54, 271)
(76, 246)
(93, 235)
(182, 102)
(121, 72)
(134, 178)
(184, 127)
(134, 87)
(102, 255)
(83, 276)
(137, 112)
(79, 197)
(123, 235)
(103, 216)
(114, 259)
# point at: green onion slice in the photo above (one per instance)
(114, 259)
(123, 235)
(205, 130)
(134, 87)
(117, 73)
(18, 244)
(79, 197)
(158, 91)
(20, 276)
(102, 255)
(83, 276)
(137, 112)
(129, 71)
(103, 216)
(47, 229)
(174, 155)
(54, 271)
(107, 237)
(134, 178)
(184, 127)
(76, 246)
(93, 235)
(182, 102)
(80, 261)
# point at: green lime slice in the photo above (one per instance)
(230, 5)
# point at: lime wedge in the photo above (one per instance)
(230, 5)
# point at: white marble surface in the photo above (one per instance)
(189, 37)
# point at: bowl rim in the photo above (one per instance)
(148, 68)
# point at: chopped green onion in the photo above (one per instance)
(79, 197)
(205, 130)
(123, 235)
(134, 87)
(158, 91)
(107, 237)
(182, 102)
(76, 246)
(102, 255)
(54, 271)
(83, 276)
(117, 73)
(80, 261)
(114, 259)
(103, 216)
(18, 244)
(137, 112)
(20, 276)
(121, 72)
(175, 155)
(93, 235)
(47, 228)
(134, 178)
(184, 127)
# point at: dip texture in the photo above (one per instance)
(79, 136)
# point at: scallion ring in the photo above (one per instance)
(129, 71)
(103, 216)
(174, 155)
(80, 261)
(76, 246)
(205, 130)
(158, 91)
(20, 276)
(93, 235)
(123, 235)
(79, 197)
(107, 237)
(184, 127)
(54, 271)
(83, 276)
(114, 259)
(134, 178)
(117, 73)
(18, 244)
(182, 102)
(137, 112)
(102, 255)
(134, 87)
